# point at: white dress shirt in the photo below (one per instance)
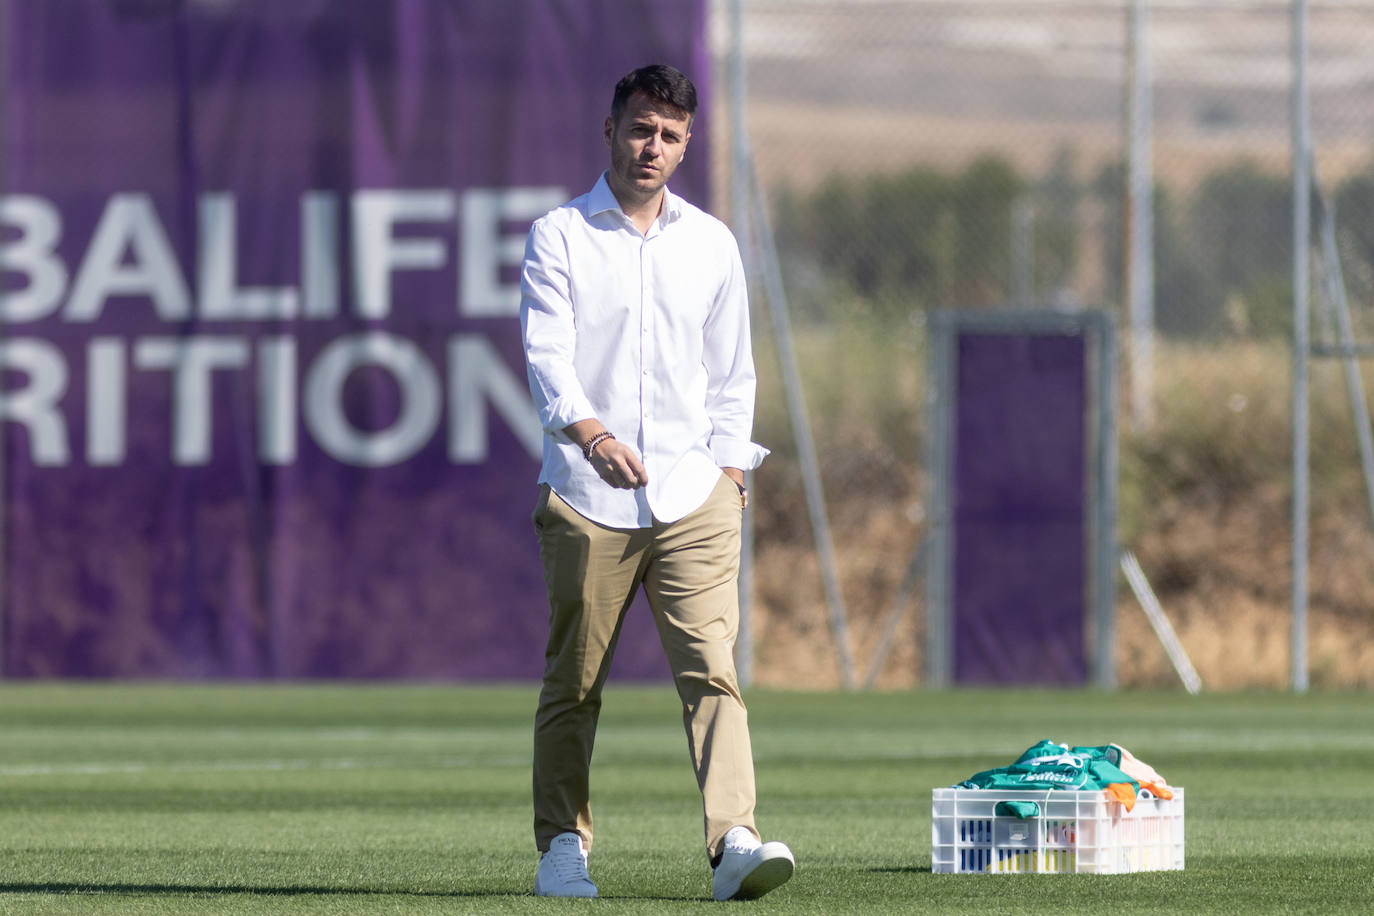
(650, 335)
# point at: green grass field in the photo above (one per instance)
(414, 799)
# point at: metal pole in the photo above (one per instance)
(1302, 182)
(1339, 303)
(1022, 252)
(739, 208)
(940, 356)
(801, 428)
(905, 592)
(1149, 603)
(1140, 269)
(5, 12)
(1104, 546)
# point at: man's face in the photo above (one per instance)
(647, 143)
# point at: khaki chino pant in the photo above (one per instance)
(689, 570)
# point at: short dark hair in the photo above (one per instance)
(659, 82)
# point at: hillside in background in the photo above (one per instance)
(843, 87)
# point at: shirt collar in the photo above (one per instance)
(601, 200)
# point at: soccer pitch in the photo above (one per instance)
(397, 799)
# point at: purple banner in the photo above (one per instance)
(262, 395)
(1020, 509)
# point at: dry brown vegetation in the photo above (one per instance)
(1205, 505)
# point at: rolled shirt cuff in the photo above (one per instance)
(737, 453)
(561, 413)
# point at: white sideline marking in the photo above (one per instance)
(249, 766)
(235, 733)
(769, 748)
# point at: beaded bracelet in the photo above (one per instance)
(594, 441)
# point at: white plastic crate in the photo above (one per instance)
(1076, 832)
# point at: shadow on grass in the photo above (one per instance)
(207, 890)
(900, 870)
(229, 889)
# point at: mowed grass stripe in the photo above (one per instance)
(393, 798)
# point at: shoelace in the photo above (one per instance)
(569, 864)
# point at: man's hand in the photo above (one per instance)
(614, 462)
(736, 475)
(618, 465)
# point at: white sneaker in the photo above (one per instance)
(749, 869)
(563, 869)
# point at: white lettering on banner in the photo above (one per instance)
(220, 297)
(34, 255)
(378, 252)
(477, 370)
(129, 225)
(277, 400)
(320, 254)
(486, 250)
(107, 402)
(420, 400)
(130, 257)
(35, 406)
(478, 381)
(191, 360)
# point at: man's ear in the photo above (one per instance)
(607, 130)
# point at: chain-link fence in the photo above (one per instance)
(923, 154)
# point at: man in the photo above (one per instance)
(636, 330)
